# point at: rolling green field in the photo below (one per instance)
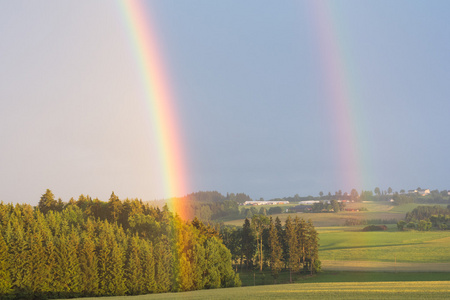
(351, 244)
(375, 210)
(349, 248)
(326, 290)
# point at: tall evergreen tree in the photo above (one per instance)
(248, 244)
(134, 271)
(5, 278)
(148, 267)
(301, 230)
(292, 250)
(312, 248)
(163, 266)
(88, 263)
(47, 202)
(275, 251)
(259, 223)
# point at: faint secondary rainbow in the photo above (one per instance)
(343, 104)
(159, 101)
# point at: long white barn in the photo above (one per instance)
(265, 202)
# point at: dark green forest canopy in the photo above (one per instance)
(263, 243)
(88, 247)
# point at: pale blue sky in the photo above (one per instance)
(248, 84)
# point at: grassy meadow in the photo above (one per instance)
(349, 248)
(321, 290)
(375, 210)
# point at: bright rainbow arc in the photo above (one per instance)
(342, 98)
(159, 101)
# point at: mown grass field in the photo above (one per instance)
(351, 244)
(349, 248)
(324, 290)
(375, 210)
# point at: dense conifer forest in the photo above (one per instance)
(88, 247)
(264, 243)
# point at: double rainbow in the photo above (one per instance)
(159, 101)
(342, 100)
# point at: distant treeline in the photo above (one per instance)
(263, 243)
(355, 222)
(426, 217)
(93, 248)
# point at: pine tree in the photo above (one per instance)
(291, 241)
(259, 223)
(19, 262)
(5, 278)
(110, 263)
(47, 202)
(134, 271)
(117, 269)
(148, 268)
(312, 248)
(275, 251)
(104, 276)
(301, 230)
(163, 266)
(88, 264)
(248, 244)
(39, 269)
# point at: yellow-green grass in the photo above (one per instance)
(378, 266)
(349, 271)
(375, 210)
(332, 219)
(348, 244)
(327, 290)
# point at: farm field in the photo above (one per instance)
(349, 248)
(351, 244)
(323, 290)
(375, 210)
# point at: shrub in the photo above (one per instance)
(375, 228)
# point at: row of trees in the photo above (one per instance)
(425, 218)
(332, 206)
(64, 251)
(263, 243)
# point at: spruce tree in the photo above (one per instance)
(134, 271)
(38, 266)
(88, 265)
(248, 244)
(275, 251)
(5, 278)
(163, 266)
(148, 267)
(292, 250)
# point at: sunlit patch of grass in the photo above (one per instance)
(407, 246)
(329, 290)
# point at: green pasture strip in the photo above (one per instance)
(376, 210)
(400, 246)
(378, 266)
(340, 276)
(326, 290)
(404, 208)
(250, 278)
(332, 219)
